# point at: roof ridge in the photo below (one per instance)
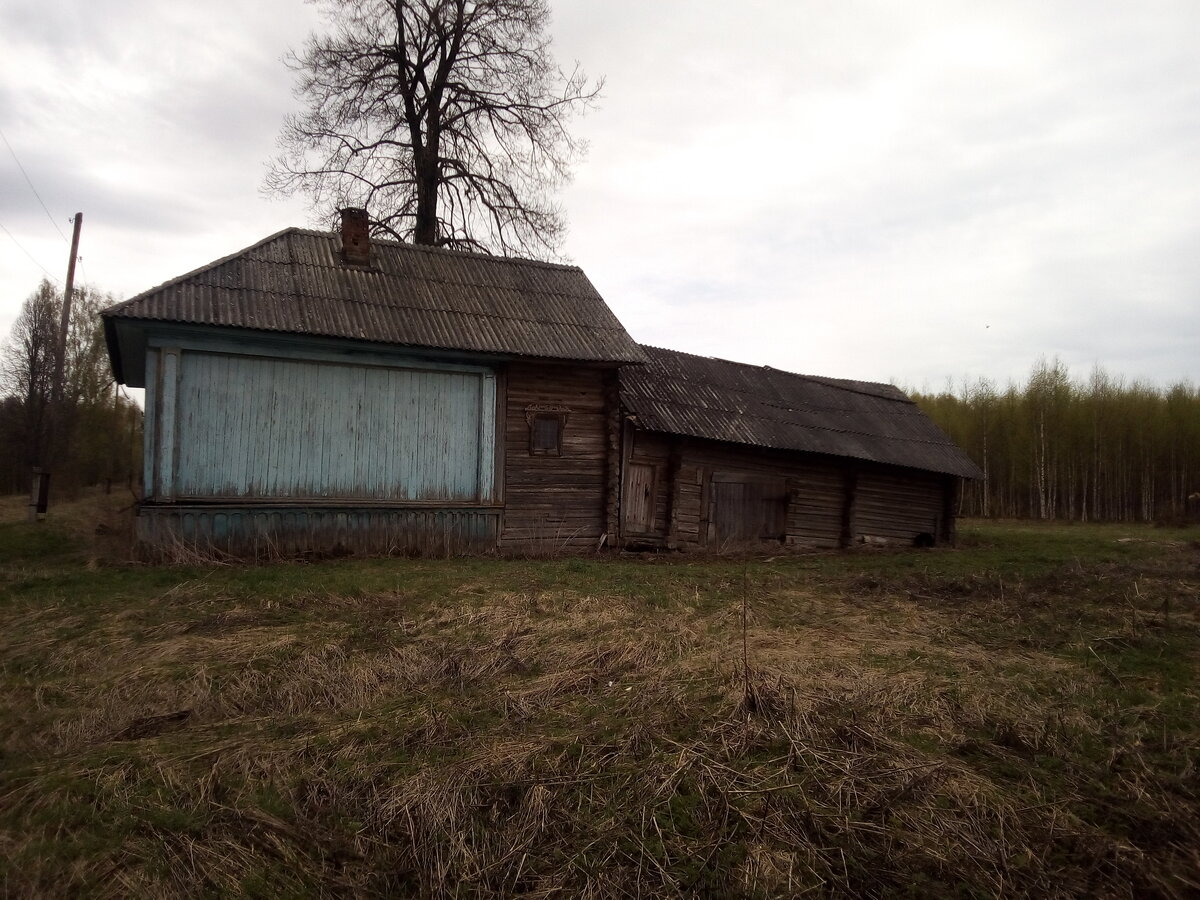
(447, 251)
(843, 384)
(116, 307)
(476, 283)
(295, 294)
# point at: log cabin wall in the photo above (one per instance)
(852, 459)
(899, 504)
(825, 502)
(555, 502)
(810, 490)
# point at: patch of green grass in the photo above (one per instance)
(36, 546)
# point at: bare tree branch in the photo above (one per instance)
(446, 118)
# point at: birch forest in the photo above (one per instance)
(1099, 449)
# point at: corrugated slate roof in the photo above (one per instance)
(697, 396)
(295, 282)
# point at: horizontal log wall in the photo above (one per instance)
(817, 504)
(815, 491)
(556, 503)
(831, 502)
(899, 504)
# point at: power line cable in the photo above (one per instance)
(31, 187)
(30, 255)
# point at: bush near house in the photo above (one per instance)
(1019, 716)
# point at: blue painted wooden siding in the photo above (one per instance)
(235, 426)
(263, 530)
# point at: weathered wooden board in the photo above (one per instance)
(240, 426)
(639, 498)
(267, 531)
(746, 507)
(652, 452)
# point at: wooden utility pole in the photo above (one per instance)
(61, 378)
(39, 493)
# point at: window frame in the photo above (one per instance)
(556, 414)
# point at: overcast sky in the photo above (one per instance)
(908, 191)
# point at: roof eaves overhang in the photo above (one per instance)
(114, 350)
(127, 338)
(963, 467)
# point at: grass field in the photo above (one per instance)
(1019, 716)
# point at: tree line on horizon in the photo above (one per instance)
(450, 122)
(1098, 449)
(85, 433)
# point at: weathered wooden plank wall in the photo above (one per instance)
(556, 502)
(900, 505)
(640, 492)
(253, 427)
(813, 486)
(267, 531)
(254, 448)
(830, 502)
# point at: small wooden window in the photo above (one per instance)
(546, 435)
(546, 427)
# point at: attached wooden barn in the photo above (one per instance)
(718, 454)
(317, 391)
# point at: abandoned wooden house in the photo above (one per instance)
(319, 391)
(322, 391)
(717, 454)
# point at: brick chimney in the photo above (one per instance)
(356, 237)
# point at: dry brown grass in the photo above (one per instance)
(919, 733)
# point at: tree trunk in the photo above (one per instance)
(426, 229)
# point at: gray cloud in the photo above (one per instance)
(864, 189)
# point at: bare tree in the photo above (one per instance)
(88, 379)
(92, 428)
(446, 118)
(27, 370)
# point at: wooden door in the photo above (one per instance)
(729, 515)
(746, 508)
(639, 498)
